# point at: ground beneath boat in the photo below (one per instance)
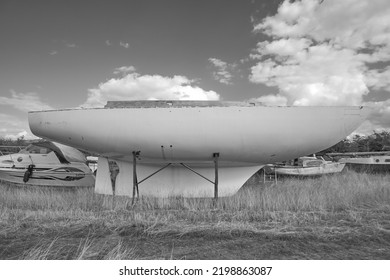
(337, 217)
(98, 240)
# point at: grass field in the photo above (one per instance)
(345, 216)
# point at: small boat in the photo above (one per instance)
(371, 164)
(47, 164)
(305, 167)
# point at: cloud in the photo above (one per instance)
(12, 127)
(68, 44)
(324, 52)
(379, 119)
(378, 78)
(348, 23)
(53, 52)
(319, 75)
(25, 102)
(134, 86)
(223, 71)
(124, 70)
(123, 44)
(23, 134)
(271, 100)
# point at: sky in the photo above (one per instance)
(71, 54)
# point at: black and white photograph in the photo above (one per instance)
(195, 138)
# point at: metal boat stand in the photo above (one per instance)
(136, 182)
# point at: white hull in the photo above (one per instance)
(368, 164)
(53, 176)
(244, 136)
(328, 168)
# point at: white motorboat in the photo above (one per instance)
(47, 164)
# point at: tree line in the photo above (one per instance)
(376, 142)
(10, 146)
(13, 142)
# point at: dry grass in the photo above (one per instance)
(345, 216)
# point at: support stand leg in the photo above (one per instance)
(135, 180)
(113, 202)
(136, 183)
(216, 156)
(114, 170)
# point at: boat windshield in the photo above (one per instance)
(32, 149)
(309, 162)
(64, 153)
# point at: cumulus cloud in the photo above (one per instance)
(23, 134)
(124, 70)
(378, 78)
(325, 53)
(223, 72)
(134, 86)
(12, 127)
(319, 75)
(25, 102)
(380, 117)
(349, 23)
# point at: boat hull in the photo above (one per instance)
(53, 177)
(248, 135)
(375, 164)
(329, 168)
(243, 136)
